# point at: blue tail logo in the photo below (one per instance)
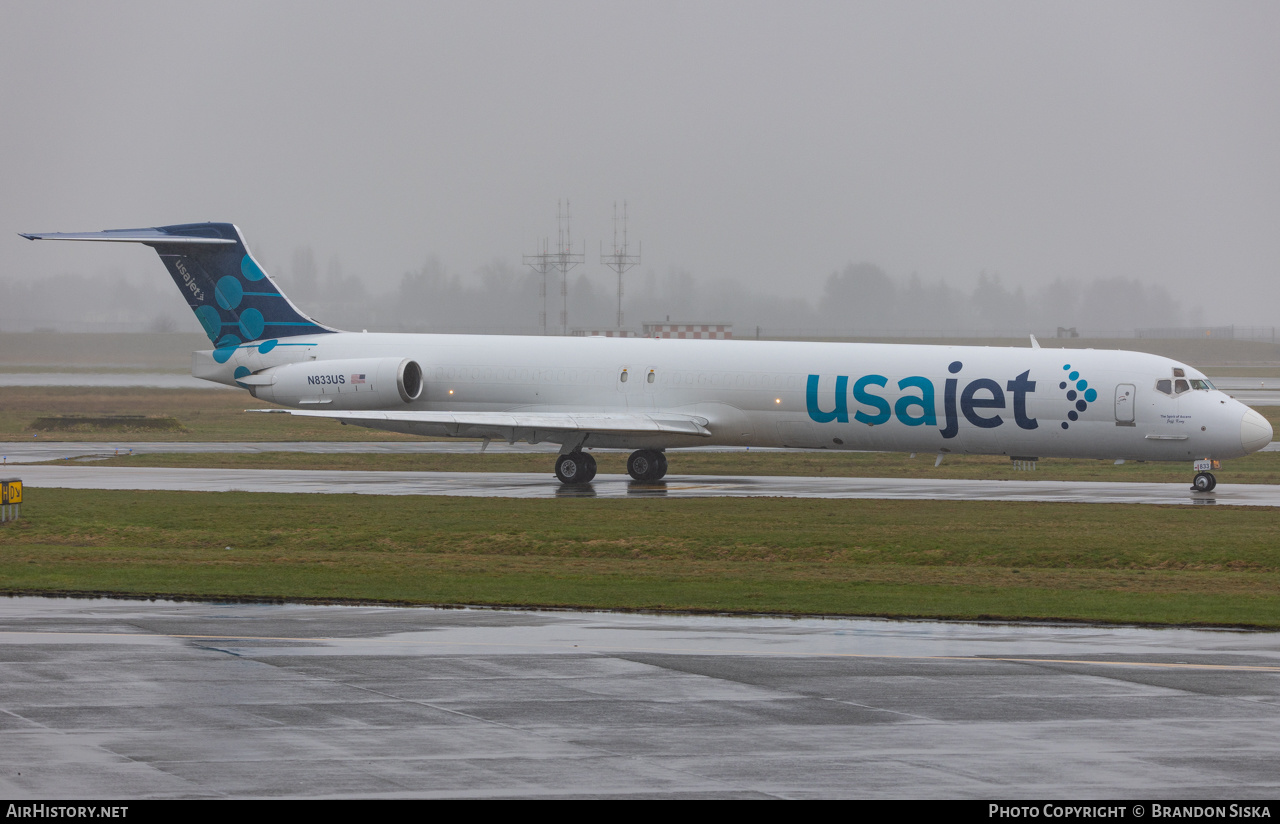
(232, 297)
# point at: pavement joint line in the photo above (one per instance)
(80, 739)
(882, 709)
(652, 761)
(682, 650)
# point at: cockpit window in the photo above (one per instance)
(1178, 372)
(1180, 386)
(1201, 384)
(1165, 386)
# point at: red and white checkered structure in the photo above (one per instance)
(704, 331)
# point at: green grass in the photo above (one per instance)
(1175, 565)
(105, 423)
(205, 415)
(116, 351)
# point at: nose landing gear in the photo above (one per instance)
(1204, 480)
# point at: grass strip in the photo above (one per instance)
(1150, 565)
(203, 414)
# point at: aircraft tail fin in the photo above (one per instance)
(234, 299)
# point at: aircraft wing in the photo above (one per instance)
(516, 426)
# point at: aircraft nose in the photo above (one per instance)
(1255, 431)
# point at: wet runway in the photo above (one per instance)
(125, 699)
(1251, 391)
(35, 450)
(533, 485)
(146, 380)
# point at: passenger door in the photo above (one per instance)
(1125, 397)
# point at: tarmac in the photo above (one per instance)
(36, 450)
(535, 485)
(117, 699)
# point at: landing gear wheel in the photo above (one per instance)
(575, 468)
(1204, 482)
(588, 464)
(647, 465)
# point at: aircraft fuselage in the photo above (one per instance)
(843, 396)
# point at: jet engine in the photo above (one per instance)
(358, 383)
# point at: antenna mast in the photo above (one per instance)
(565, 259)
(540, 262)
(620, 261)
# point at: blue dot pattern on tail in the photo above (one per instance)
(236, 302)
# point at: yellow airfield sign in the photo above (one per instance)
(10, 491)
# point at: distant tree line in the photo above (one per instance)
(860, 299)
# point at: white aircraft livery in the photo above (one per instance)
(651, 395)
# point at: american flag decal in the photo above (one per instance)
(358, 379)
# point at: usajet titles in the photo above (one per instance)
(977, 396)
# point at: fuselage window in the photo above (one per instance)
(623, 376)
(650, 378)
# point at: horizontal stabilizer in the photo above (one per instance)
(128, 236)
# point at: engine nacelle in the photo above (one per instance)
(358, 383)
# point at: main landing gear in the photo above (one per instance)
(1204, 480)
(647, 465)
(580, 468)
(575, 468)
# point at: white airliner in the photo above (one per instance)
(651, 395)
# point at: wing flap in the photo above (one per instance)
(516, 425)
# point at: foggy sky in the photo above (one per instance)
(763, 144)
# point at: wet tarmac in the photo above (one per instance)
(127, 699)
(1255, 397)
(534, 485)
(1265, 387)
(36, 450)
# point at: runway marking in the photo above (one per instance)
(681, 650)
